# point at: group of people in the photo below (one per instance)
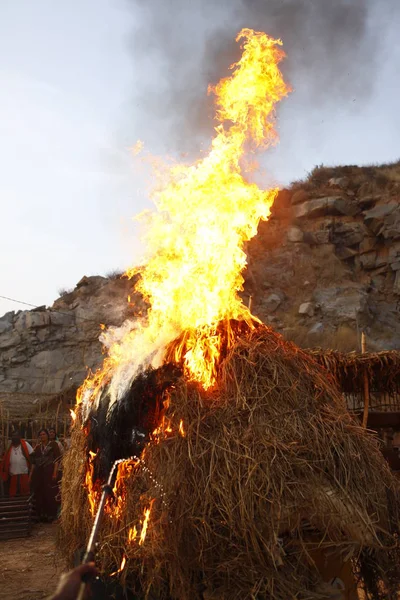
(26, 470)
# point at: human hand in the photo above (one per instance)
(70, 583)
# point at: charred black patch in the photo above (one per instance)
(123, 430)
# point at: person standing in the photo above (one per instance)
(16, 466)
(54, 438)
(44, 476)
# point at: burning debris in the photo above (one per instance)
(271, 480)
(243, 473)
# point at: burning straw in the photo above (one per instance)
(267, 474)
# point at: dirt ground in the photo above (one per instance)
(29, 567)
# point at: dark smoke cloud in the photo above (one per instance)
(183, 45)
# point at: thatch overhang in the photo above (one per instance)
(349, 369)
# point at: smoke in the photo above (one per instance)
(180, 46)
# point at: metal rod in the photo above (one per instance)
(107, 492)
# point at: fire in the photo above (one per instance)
(121, 568)
(119, 490)
(181, 429)
(132, 534)
(145, 524)
(206, 211)
(92, 490)
(73, 415)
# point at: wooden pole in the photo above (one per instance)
(250, 302)
(8, 426)
(3, 446)
(56, 423)
(47, 415)
(366, 383)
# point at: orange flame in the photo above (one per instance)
(145, 523)
(181, 429)
(132, 534)
(93, 492)
(122, 567)
(119, 490)
(205, 214)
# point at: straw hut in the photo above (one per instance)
(263, 487)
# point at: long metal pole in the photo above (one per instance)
(107, 492)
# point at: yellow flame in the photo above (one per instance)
(132, 534)
(73, 414)
(205, 214)
(181, 429)
(92, 490)
(121, 568)
(124, 471)
(145, 523)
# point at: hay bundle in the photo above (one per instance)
(269, 473)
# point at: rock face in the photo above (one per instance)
(323, 268)
(331, 252)
(45, 353)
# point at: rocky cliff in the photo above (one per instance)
(324, 267)
(46, 353)
(327, 263)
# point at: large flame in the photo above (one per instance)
(205, 214)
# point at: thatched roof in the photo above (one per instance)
(382, 368)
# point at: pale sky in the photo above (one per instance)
(69, 113)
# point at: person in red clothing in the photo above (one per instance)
(16, 466)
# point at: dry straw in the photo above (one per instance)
(271, 474)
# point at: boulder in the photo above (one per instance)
(368, 260)
(391, 225)
(348, 234)
(329, 205)
(374, 218)
(62, 319)
(306, 308)
(34, 320)
(341, 303)
(272, 302)
(294, 235)
(9, 338)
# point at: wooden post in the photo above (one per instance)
(56, 423)
(250, 302)
(46, 415)
(3, 447)
(7, 426)
(366, 383)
